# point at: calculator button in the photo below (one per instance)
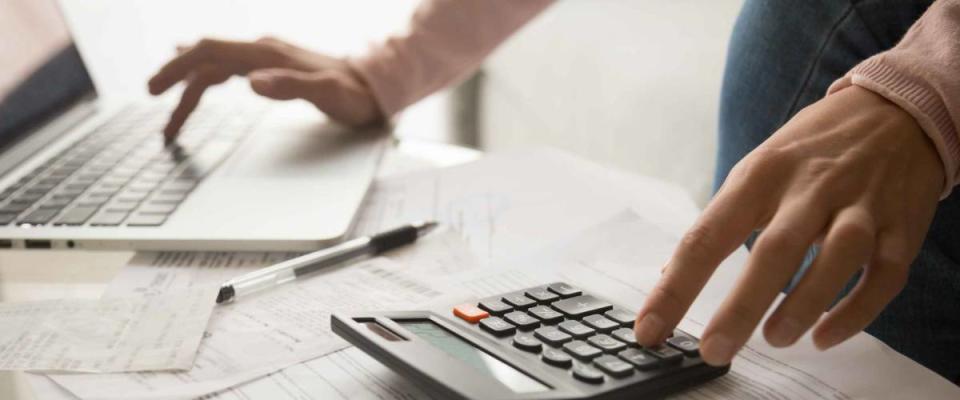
(639, 358)
(606, 343)
(576, 307)
(587, 373)
(518, 300)
(668, 355)
(470, 313)
(542, 295)
(552, 336)
(625, 335)
(495, 307)
(546, 314)
(527, 342)
(557, 358)
(582, 350)
(576, 329)
(497, 326)
(614, 366)
(600, 323)
(685, 344)
(622, 317)
(522, 320)
(564, 290)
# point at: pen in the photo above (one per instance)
(292, 269)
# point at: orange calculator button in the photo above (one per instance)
(470, 313)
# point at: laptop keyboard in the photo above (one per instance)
(122, 174)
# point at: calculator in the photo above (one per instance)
(546, 342)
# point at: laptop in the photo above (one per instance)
(81, 173)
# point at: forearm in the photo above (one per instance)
(921, 75)
(446, 41)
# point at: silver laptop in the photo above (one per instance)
(76, 172)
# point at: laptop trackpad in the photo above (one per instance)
(299, 148)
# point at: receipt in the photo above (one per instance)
(133, 333)
(259, 334)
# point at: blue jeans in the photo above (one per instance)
(782, 57)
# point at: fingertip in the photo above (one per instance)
(649, 329)
(718, 350)
(824, 339)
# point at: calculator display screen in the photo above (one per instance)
(471, 355)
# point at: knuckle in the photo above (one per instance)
(854, 231)
(777, 239)
(696, 241)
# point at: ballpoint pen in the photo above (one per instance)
(292, 269)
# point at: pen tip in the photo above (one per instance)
(225, 294)
(426, 227)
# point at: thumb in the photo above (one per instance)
(287, 84)
(335, 94)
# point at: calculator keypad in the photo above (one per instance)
(568, 329)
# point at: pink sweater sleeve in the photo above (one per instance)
(446, 41)
(922, 75)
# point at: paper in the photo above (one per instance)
(514, 202)
(133, 333)
(257, 335)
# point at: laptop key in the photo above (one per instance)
(157, 208)
(39, 217)
(26, 198)
(109, 218)
(174, 198)
(121, 206)
(14, 208)
(139, 219)
(76, 216)
(6, 218)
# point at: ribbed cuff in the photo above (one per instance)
(916, 98)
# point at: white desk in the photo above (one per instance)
(39, 274)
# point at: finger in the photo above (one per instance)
(204, 78)
(846, 249)
(775, 257)
(725, 224)
(238, 57)
(882, 280)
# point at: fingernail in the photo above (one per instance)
(829, 338)
(650, 329)
(718, 350)
(784, 332)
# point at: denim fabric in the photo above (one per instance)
(782, 57)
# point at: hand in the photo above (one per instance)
(852, 171)
(276, 69)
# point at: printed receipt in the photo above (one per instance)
(119, 334)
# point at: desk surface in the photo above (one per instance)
(41, 275)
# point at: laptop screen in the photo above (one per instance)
(41, 73)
